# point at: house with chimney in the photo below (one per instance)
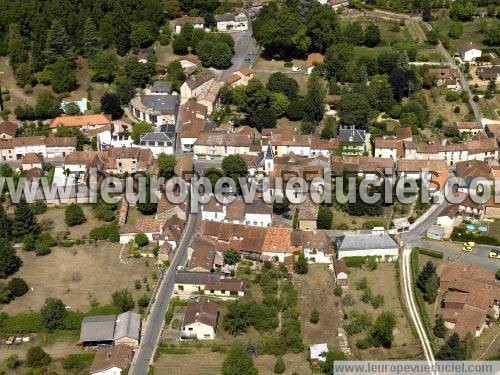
(197, 85)
(200, 320)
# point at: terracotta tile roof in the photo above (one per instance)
(186, 19)
(80, 157)
(444, 73)
(314, 239)
(192, 128)
(469, 46)
(32, 158)
(93, 132)
(204, 311)
(278, 240)
(203, 255)
(84, 120)
(221, 139)
(408, 165)
(200, 78)
(232, 79)
(361, 164)
(60, 141)
(34, 173)
(319, 143)
(184, 167)
(468, 125)
(8, 128)
(313, 58)
(116, 356)
(236, 210)
(404, 133)
(340, 266)
(195, 107)
(246, 71)
(146, 224)
(473, 168)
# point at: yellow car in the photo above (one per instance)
(466, 248)
(495, 254)
(470, 244)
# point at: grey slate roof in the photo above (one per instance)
(199, 278)
(162, 87)
(156, 137)
(163, 104)
(354, 242)
(98, 328)
(128, 324)
(351, 134)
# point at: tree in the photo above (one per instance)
(455, 30)
(381, 331)
(125, 89)
(73, 215)
(497, 274)
(110, 104)
(234, 166)
(72, 109)
(330, 358)
(91, 42)
(314, 106)
(104, 66)
(354, 110)
(354, 33)
(226, 94)
(280, 208)
(5, 222)
(47, 105)
(238, 362)
(295, 111)
(24, 221)
(428, 282)
(9, 261)
(123, 300)
(139, 73)
(490, 89)
(180, 45)
(325, 217)
(279, 103)
(231, 257)
(24, 74)
(440, 329)
(144, 33)
(372, 35)
(53, 314)
(281, 83)
(147, 206)
(263, 118)
(279, 366)
(17, 286)
(58, 44)
(36, 357)
(301, 266)
(337, 57)
(403, 82)
(322, 27)
(139, 129)
(213, 174)
(329, 128)
(141, 239)
(452, 350)
(314, 318)
(122, 30)
(166, 165)
(63, 76)
(172, 8)
(16, 49)
(221, 56)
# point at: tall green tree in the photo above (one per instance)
(301, 266)
(314, 102)
(325, 217)
(166, 165)
(9, 261)
(110, 104)
(123, 29)
(24, 221)
(5, 224)
(47, 105)
(91, 42)
(58, 43)
(381, 332)
(16, 48)
(53, 314)
(440, 329)
(322, 27)
(63, 76)
(372, 35)
(452, 350)
(428, 282)
(238, 362)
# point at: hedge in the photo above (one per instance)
(428, 252)
(354, 262)
(24, 322)
(78, 361)
(462, 235)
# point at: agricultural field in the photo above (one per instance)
(82, 271)
(382, 281)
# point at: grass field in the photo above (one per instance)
(438, 106)
(78, 275)
(472, 31)
(316, 292)
(383, 281)
(490, 108)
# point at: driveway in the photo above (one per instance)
(244, 43)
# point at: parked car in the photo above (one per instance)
(296, 69)
(495, 254)
(467, 248)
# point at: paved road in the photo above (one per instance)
(156, 318)
(412, 309)
(244, 43)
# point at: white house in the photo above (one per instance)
(196, 85)
(159, 142)
(197, 22)
(155, 109)
(232, 22)
(200, 320)
(470, 52)
(382, 246)
(317, 353)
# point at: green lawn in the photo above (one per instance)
(471, 31)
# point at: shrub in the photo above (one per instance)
(338, 291)
(141, 239)
(123, 300)
(279, 366)
(105, 232)
(143, 301)
(38, 207)
(12, 362)
(74, 215)
(17, 286)
(36, 357)
(377, 301)
(363, 344)
(431, 253)
(314, 318)
(354, 262)
(77, 361)
(24, 322)
(348, 299)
